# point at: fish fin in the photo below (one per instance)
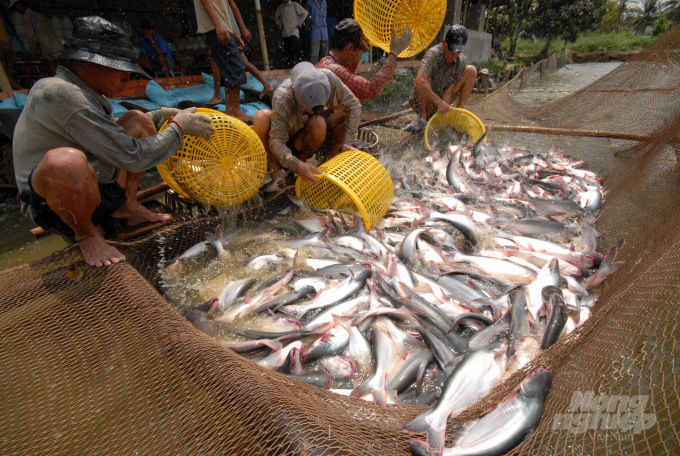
(392, 397)
(420, 448)
(363, 390)
(418, 425)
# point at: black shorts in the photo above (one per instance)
(228, 59)
(322, 151)
(112, 197)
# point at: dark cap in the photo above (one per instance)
(456, 38)
(98, 41)
(147, 25)
(352, 30)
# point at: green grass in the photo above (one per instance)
(595, 42)
(393, 95)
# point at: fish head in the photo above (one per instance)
(363, 275)
(537, 384)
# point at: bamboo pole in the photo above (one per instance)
(384, 118)
(260, 30)
(572, 132)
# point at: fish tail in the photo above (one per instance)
(366, 388)
(421, 425)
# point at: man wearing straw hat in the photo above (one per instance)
(75, 164)
(443, 74)
(484, 83)
(299, 124)
(347, 46)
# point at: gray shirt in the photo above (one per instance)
(63, 111)
(288, 118)
(442, 76)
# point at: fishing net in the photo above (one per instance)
(104, 365)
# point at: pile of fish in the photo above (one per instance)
(485, 258)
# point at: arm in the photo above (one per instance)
(424, 87)
(302, 14)
(362, 88)
(345, 99)
(245, 33)
(277, 18)
(31, 37)
(108, 141)
(220, 29)
(278, 137)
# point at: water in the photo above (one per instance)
(20, 247)
(568, 78)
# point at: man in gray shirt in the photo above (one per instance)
(75, 164)
(443, 74)
(289, 17)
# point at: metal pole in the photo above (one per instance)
(260, 29)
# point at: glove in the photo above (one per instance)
(194, 124)
(397, 45)
(168, 113)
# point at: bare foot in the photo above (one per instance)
(214, 101)
(267, 88)
(133, 209)
(98, 253)
(242, 116)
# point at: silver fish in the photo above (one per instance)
(375, 384)
(472, 379)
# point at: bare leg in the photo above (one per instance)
(233, 105)
(311, 137)
(261, 126)
(138, 125)
(143, 62)
(338, 136)
(464, 86)
(69, 185)
(164, 66)
(255, 72)
(217, 79)
(421, 100)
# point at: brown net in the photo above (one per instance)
(103, 365)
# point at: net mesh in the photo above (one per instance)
(103, 365)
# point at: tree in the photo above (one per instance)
(672, 10)
(564, 19)
(613, 15)
(645, 15)
(517, 12)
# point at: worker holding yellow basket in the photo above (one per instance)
(312, 112)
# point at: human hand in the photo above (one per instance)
(149, 35)
(397, 45)
(308, 172)
(222, 33)
(194, 124)
(347, 148)
(169, 113)
(443, 107)
(245, 33)
(239, 41)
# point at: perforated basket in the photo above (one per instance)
(352, 178)
(377, 17)
(227, 170)
(461, 120)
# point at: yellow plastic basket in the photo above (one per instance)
(377, 17)
(352, 178)
(227, 170)
(458, 119)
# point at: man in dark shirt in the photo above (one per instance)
(154, 54)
